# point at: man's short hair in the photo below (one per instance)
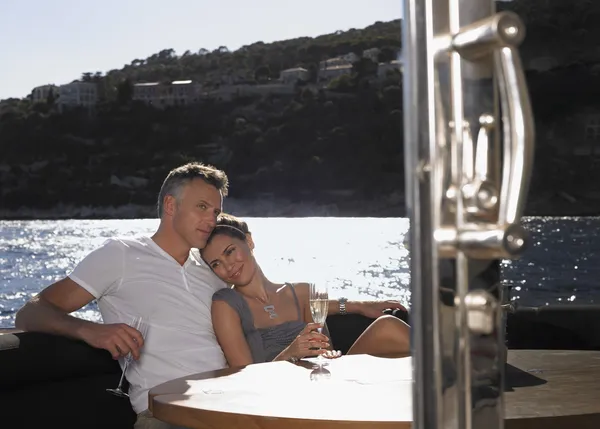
(181, 176)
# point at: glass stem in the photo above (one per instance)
(123, 373)
(320, 358)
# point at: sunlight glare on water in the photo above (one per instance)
(364, 257)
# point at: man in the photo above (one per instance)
(161, 278)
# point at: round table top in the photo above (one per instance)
(543, 388)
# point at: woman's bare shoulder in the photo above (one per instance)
(302, 289)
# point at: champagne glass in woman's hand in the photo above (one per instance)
(139, 324)
(309, 342)
(319, 304)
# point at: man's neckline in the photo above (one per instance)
(166, 254)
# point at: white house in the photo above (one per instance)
(147, 92)
(350, 57)
(332, 72)
(84, 94)
(176, 93)
(372, 54)
(291, 76)
(41, 93)
(384, 68)
(343, 60)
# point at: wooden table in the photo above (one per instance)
(545, 389)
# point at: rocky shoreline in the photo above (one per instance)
(391, 206)
(246, 208)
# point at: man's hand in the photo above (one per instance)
(373, 309)
(119, 338)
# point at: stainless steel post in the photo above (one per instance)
(468, 157)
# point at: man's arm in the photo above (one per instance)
(49, 312)
(99, 274)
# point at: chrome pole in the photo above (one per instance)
(468, 157)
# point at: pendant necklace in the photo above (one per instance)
(269, 308)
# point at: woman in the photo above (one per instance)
(261, 321)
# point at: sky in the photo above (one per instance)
(55, 41)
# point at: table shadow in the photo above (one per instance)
(516, 378)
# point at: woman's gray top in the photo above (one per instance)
(265, 343)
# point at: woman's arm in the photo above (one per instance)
(303, 293)
(370, 309)
(230, 335)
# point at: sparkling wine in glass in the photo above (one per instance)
(319, 303)
(139, 324)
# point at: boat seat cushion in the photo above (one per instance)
(48, 380)
(30, 358)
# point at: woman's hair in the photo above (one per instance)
(230, 226)
(231, 220)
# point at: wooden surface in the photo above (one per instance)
(544, 389)
(281, 395)
(552, 389)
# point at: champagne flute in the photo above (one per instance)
(319, 304)
(319, 374)
(139, 324)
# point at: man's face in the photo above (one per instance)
(195, 213)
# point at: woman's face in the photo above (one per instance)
(231, 259)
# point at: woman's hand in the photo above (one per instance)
(332, 354)
(373, 309)
(308, 339)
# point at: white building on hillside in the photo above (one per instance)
(41, 93)
(332, 72)
(82, 94)
(176, 93)
(147, 92)
(291, 76)
(372, 54)
(343, 60)
(384, 68)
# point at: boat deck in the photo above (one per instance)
(552, 389)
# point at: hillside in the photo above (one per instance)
(282, 147)
(222, 66)
(341, 147)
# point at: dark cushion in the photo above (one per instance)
(75, 403)
(558, 327)
(344, 330)
(29, 358)
(48, 380)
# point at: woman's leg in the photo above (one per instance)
(387, 336)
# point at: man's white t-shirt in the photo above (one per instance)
(135, 277)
